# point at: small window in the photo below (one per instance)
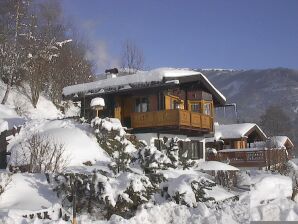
(207, 109)
(195, 107)
(142, 104)
(175, 104)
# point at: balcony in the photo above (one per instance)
(251, 157)
(175, 119)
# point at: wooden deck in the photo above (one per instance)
(252, 158)
(172, 118)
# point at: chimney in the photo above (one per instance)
(111, 73)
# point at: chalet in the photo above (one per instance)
(159, 103)
(236, 136)
(246, 145)
(281, 142)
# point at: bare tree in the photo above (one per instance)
(34, 55)
(42, 155)
(12, 18)
(275, 121)
(132, 57)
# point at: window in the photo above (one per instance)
(175, 103)
(142, 104)
(195, 107)
(207, 109)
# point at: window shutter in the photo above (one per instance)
(187, 147)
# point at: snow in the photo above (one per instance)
(267, 186)
(72, 109)
(180, 181)
(116, 186)
(79, 142)
(214, 165)
(10, 116)
(279, 141)
(18, 107)
(3, 125)
(109, 124)
(156, 75)
(170, 212)
(27, 193)
(98, 101)
(232, 131)
(270, 198)
(243, 150)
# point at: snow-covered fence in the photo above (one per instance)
(253, 157)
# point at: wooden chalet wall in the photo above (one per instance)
(165, 107)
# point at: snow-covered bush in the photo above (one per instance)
(5, 179)
(152, 159)
(70, 108)
(188, 189)
(177, 157)
(171, 148)
(102, 195)
(114, 140)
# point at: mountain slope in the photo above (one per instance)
(255, 90)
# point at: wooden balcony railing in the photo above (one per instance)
(162, 118)
(252, 157)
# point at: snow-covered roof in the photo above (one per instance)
(160, 75)
(280, 141)
(234, 131)
(3, 125)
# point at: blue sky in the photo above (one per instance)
(191, 33)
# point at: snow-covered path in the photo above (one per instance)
(27, 193)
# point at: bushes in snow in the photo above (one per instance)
(188, 189)
(40, 154)
(152, 159)
(5, 179)
(112, 138)
(102, 195)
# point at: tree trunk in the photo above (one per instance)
(4, 100)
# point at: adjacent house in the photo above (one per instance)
(246, 145)
(164, 102)
(281, 142)
(236, 136)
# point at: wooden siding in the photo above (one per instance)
(240, 144)
(153, 103)
(128, 107)
(118, 107)
(172, 118)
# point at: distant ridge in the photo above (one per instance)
(256, 89)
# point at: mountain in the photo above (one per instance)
(255, 90)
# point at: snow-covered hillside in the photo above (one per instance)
(114, 183)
